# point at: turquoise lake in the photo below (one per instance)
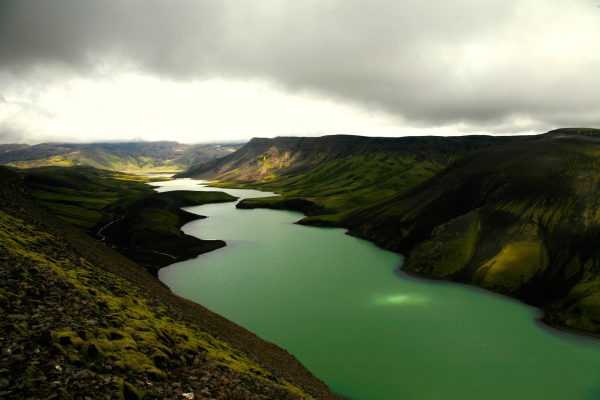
(341, 307)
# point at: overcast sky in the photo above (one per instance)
(198, 71)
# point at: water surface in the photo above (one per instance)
(338, 305)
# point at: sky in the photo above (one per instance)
(219, 70)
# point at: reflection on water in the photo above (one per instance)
(400, 299)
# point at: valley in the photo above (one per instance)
(514, 215)
(332, 200)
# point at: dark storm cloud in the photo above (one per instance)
(486, 64)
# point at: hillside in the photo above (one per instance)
(149, 231)
(341, 173)
(263, 159)
(82, 321)
(124, 212)
(521, 219)
(132, 156)
(519, 216)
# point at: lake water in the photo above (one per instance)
(338, 304)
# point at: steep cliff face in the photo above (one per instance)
(81, 320)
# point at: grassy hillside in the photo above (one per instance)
(340, 187)
(262, 160)
(124, 212)
(340, 174)
(80, 320)
(85, 196)
(149, 229)
(132, 157)
(520, 217)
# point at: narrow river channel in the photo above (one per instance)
(338, 304)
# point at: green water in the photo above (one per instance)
(338, 305)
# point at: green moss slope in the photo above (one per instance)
(336, 176)
(121, 210)
(82, 321)
(148, 231)
(85, 196)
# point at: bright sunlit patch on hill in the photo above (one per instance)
(400, 299)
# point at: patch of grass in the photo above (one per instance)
(342, 186)
(514, 266)
(184, 198)
(157, 221)
(85, 196)
(450, 247)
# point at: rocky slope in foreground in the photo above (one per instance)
(519, 216)
(82, 321)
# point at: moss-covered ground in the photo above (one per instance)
(81, 322)
(123, 211)
(106, 328)
(85, 196)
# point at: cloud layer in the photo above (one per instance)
(490, 65)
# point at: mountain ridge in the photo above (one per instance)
(263, 158)
(169, 156)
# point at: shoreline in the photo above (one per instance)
(547, 319)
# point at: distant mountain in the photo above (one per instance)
(132, 156)
(264, 159)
